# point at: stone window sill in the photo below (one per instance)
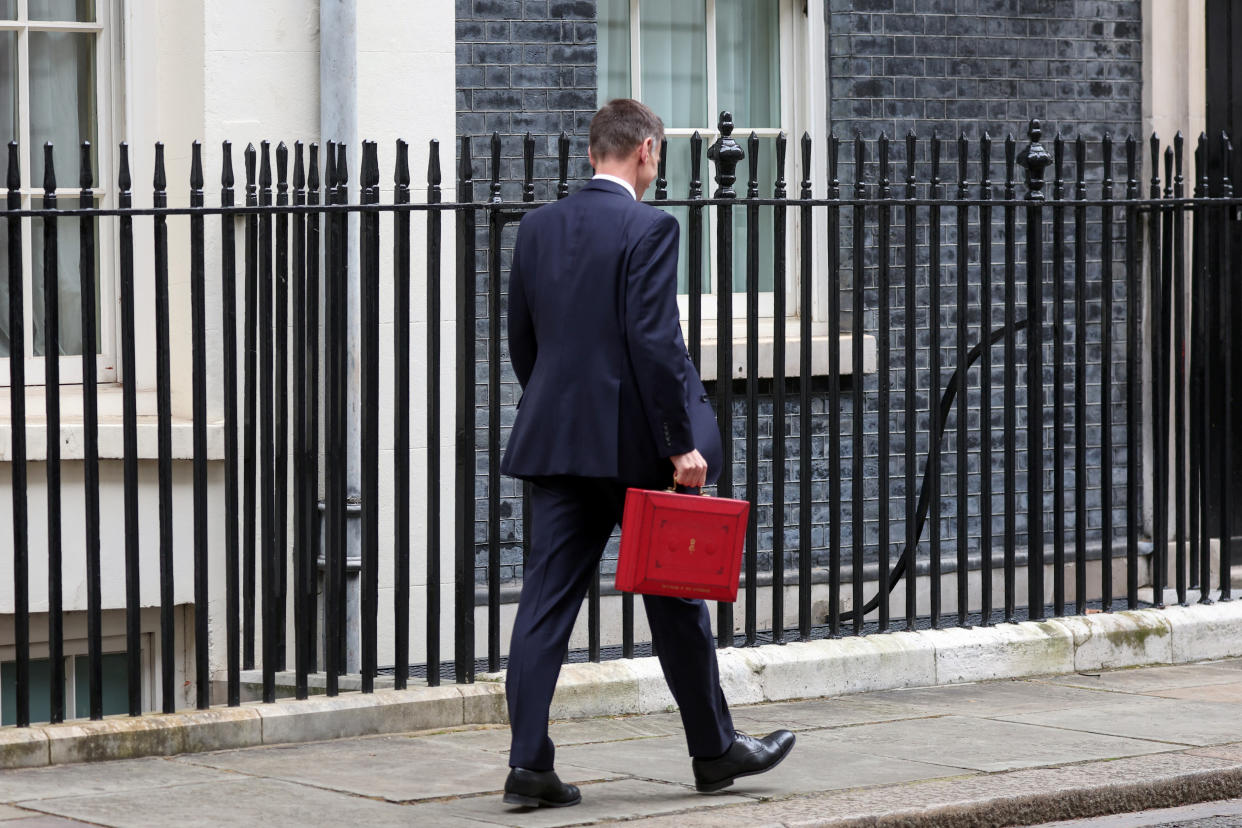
(111, 434)
(793, 352)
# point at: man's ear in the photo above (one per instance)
(645, 149)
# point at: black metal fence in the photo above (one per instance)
(1024, 424)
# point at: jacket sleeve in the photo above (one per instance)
(653, 336)
(522, 344)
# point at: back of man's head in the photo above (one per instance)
(620, 126)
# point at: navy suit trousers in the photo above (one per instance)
(572, 519)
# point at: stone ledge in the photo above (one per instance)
(831, 667)
(225, 728)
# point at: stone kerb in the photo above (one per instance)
(831, 667)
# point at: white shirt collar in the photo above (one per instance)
(629, 188)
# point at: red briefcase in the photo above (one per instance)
(686, 546)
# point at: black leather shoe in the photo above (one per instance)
(745, 757)
(539, 789)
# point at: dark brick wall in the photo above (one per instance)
(522, 66)
(954, 66)
(526, 66)
(964, 66)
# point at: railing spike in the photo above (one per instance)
(14, 180)
(49, 171)
(401, 165)
(661, 182)
(433, 164)
(226, 164)
(329, 167)
(963, 147)
(494, 188)
(782, 148)
(1080, 168)
(299, 168)
(159, 180)
(312, 177)
(265, 165)
(465, 171)
(696, 165)
(123, 179)
(562, 163)
(1155, 165)
(282, 165)
(86, 176)
(528, 168)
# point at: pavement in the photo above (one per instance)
(1012, 752)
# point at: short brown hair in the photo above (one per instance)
(621, 125)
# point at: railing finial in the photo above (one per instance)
(1035, 159)
(726, 154)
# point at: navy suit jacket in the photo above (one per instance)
(595, 340)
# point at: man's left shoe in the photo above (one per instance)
(745, 757)
(539, 789)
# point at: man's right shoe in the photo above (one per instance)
(539, 789)
(745, 757)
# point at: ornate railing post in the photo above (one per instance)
(725, 154)
(1035, 159)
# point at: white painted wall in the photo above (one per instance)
(220, 70)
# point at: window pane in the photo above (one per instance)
(40, 691)
(767, 177)
(73, 11)
(115, 684)
(8, 90)
(62, 102)
(614, 50)
(674, 60)
(748, 61)
(8, 9)
(69, 297)
(679, 187)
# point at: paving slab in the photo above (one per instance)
(100, 777)
(1216, 693)
(986, 744)
(817, 763)
(1232, 752)
(1009, 798)
(1148, 717)
(990, 698)
(1149, 679)
(603, 801)
(395, 768)
(270, 803)
(8, 812)
(45, 821)
(818, 713)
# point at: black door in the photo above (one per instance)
(1224, 114)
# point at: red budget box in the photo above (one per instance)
(686, 546)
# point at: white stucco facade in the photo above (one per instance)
(216, 70)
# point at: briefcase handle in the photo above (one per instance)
(674, 489)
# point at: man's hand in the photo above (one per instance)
(689, 469)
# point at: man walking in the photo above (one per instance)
(610, 399)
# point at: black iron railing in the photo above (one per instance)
(941, 279)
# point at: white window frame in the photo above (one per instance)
(804, 108)
(73, 648)
(106, 29)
